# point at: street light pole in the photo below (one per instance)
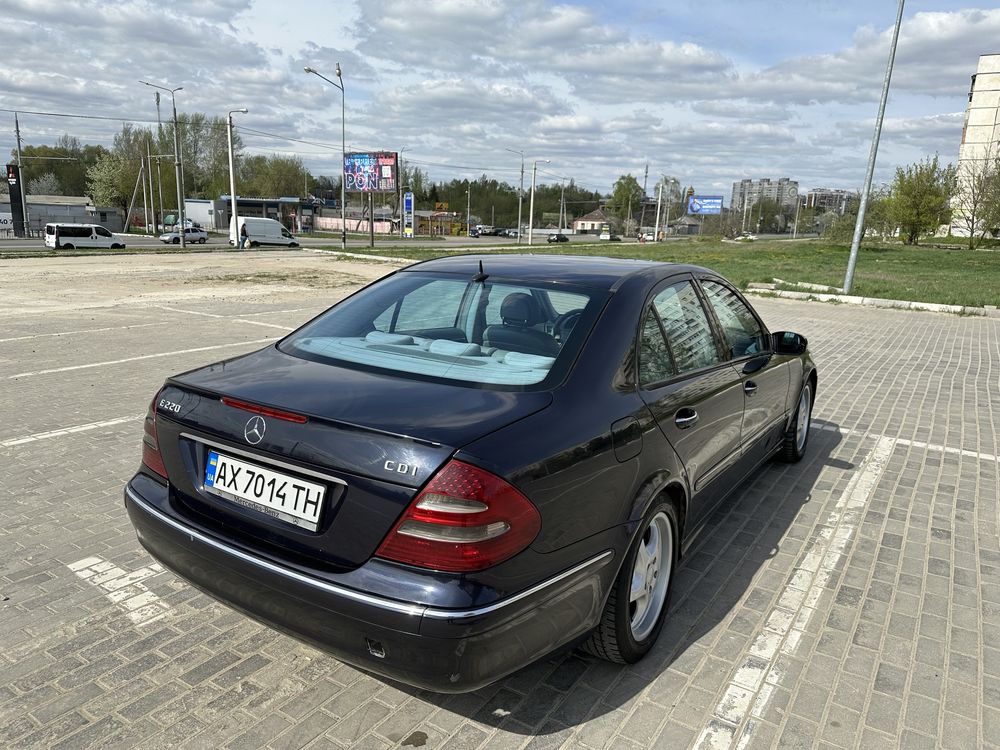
(234, 231)
(859, 225)
(520, 193)
(343, 149)
(177, 160)
(531, 203)
(468, 209)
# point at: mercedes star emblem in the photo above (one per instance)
(254, 431)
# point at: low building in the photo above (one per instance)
(591, 223)
(70, 209)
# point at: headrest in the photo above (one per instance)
(520, 309)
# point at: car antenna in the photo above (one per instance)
(482, 275)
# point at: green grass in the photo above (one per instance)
(953, 277)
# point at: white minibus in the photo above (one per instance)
(70, 236)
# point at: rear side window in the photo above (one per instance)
(447, 328)
(101, 231)
(50, 229)
(688, 331)
(656, 363)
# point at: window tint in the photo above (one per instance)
(101, 231)
(434, 305)
(417, 325)
(563, 302)
(687, 327)
(743, 334)
(655, 360)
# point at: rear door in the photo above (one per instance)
(764, 376)
(695, 395)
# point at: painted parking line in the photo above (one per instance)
(749, 691)
(124, 588)
(35, 437)
(140, 357)
(226, 317)
(82, 330)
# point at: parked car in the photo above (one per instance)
(747, 237)
(191, 235)
(557, 237)
(473, 461)
(474, 232)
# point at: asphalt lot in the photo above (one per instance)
(849, 601)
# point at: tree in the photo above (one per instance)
(626, 195)
(271, 176)
(920, 196)
(108, 181)
(45, 184)
(977, 196)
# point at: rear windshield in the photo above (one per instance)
(498, 333)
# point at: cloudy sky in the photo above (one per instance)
(708, 92)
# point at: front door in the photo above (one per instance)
(764, 375)
(695, 395)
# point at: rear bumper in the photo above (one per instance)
(444, 650)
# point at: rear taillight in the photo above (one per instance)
(465, 519)
(151, 457)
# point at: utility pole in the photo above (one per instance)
(562, 207)
(152, 196)
(645, 179)
(20, 169)
(520, 193)
(859, 225)
(659, 203)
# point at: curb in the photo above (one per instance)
(898, 304)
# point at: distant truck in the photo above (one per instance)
(262, 232)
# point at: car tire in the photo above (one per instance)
(793, 447)
(201, 241)
(631, 622)
(293, 244)
(176, 240)
(254, 244)
(66, 246)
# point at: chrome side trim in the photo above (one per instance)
(416, 610)
(223, 445)
(446, 614)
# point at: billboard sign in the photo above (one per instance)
(371, 172)
(407, 214)
(704, 204)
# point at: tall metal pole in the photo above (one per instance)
(145, 191)
(343, 148)
(152, 195)
(520, 193)
(234, 224)
(178, 172)
(795, 226)
(468, 209)
(859, 225)
(531, 206)
(659, 203)
(20, 169)
(159, 188)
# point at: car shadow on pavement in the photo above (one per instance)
(751, 527)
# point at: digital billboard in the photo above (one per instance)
(371, 172)
(704, 204)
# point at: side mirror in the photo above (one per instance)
(787, 342)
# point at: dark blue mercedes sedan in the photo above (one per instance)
(473, 461)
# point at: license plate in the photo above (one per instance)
(281, 496)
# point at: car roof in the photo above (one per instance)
(589, 270)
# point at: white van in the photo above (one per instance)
(262, 232)
(70, 236)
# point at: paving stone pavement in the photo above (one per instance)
(849, 601)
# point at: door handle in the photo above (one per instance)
(749, 387)
(686, 418)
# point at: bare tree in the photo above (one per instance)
(977, 196)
